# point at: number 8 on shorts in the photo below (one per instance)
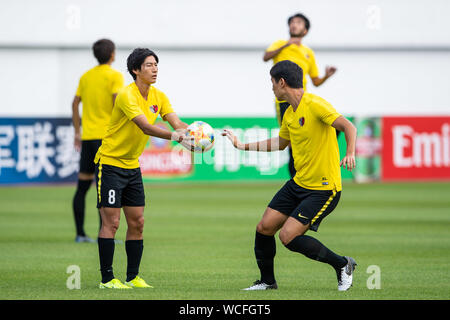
(117, 187)
(112, 196)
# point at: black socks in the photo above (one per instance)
(314, 249)
(265, 250)
(106, 248)
(78, 205)
(134, 250)
(106, 254)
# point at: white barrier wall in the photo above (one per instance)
(393, 57)
(180, 23)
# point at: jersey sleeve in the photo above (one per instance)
(324, 111)
(276, 45)
(166, 107)
(129, 105)
(117, 83)
(313, 69)
(284, 131)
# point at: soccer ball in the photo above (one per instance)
(203, 135)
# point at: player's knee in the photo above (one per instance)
(265, 229)
(111, 224)
(86, 176)
(285, 236)
(115, 226)
(137, 225)
(140, 225)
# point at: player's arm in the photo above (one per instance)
(155, 131)
(174, 121)
(76, 121)
(274, 144)
(329, 71)
(178, 135)
(344, 125)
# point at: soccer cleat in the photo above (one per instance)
(113, 284)
(259, 285)
(345, 274)
(80, 239)
(138, 282)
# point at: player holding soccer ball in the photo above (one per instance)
(310, 125)
(118, 176)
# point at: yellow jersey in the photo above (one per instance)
(314, 144)
(302, 55)
(96, 89)
(124, 141)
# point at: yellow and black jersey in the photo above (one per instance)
(313, 141)
(96, 89)
(124, 141)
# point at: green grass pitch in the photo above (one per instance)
(198, 244)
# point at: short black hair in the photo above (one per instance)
(137, 58)
(290, 72)
(103, 49)
(301, 16)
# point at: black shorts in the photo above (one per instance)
(88, 151)
(119, 187)
(305, 205)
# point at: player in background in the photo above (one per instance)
(294, 50)
(96, 90)
(118, 175)
(309, 124)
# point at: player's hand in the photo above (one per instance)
(186, 141)
(234, 140)
(329, 71)
(348, 162)
(178, 135)
(77, 142)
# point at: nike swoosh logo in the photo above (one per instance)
(300, 215)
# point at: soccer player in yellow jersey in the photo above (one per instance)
(309, 124)
(96, 90)
(118, 176)
(294, 50)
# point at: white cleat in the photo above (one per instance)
(345, 275)
(259, 285)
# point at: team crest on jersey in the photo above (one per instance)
(307, 56)
(301, 121)
(154, 108)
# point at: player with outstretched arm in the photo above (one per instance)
(118, 175)
(310, 125)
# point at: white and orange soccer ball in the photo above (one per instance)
(203, 135)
